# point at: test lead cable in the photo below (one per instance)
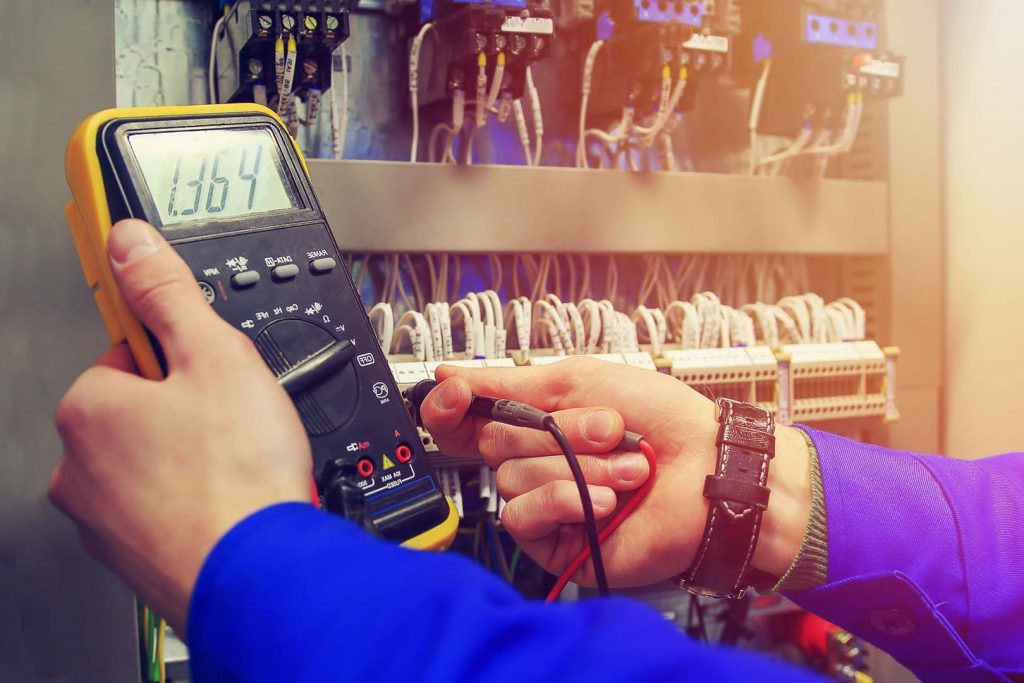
(520, 414)
(635, 442)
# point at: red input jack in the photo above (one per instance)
(403, 453)
(365, 468)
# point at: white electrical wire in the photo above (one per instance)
(524, 133)
(458, 123)
(755, 112)
(854, 110)
(588, 74)
(279, 60)
(339, 129)
(538, 116)
(284, 94)
(482, 105)
(414, 86)
(382, 314)
(496, 83)
(794, 150)
(211, 75)
(665, 109)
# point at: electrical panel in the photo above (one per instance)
(822, 54)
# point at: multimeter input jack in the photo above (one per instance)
(403, 453)
(365, 468)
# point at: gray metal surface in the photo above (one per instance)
(382, 206)
(63, 618)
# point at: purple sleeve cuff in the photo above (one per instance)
(924, 554)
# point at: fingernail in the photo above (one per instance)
(627, 467)
(602, 498)
(598, 425)
(129, 241)
(447, 396)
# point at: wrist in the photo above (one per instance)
(789, 507)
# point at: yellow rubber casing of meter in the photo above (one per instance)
(88, 216)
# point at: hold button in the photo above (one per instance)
(322, 265)
(285, 272)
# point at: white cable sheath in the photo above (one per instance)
(538, 116)
(414, 87)
(755, 112)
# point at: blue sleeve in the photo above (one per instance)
(925, 557)
(293, 594)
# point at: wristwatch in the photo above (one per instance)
(738, 493)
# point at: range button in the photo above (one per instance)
(285, 272)
(322, 265)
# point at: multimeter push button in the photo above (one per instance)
(285, 272)
(245, 279)
(322, 265)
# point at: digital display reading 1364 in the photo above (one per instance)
(200, 175)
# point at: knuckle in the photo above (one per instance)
(72, 411)
(159, 290)
(58, 490)
(55, 487)
(553, 497)
(512, 516)
(509, 475)
(595, 470)
(496, 441)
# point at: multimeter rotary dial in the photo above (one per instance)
(328, 404)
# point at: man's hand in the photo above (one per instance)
(154, 473)
(593, 402)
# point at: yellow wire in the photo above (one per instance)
(162, 632)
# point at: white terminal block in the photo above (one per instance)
(548, 360)
(839, 381)
(748, 374)
(408, 374)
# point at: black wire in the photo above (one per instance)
(589, 522)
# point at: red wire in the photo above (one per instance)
(314, 495)
(612, 525)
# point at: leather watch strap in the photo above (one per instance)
(739, 496)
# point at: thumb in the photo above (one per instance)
(158, 286)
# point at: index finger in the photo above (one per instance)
(575, 383)
(542, 387)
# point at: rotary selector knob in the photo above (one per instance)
(326, 405)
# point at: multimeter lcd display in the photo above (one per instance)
(200, 175)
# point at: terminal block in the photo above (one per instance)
(408, 373)
(748, 374)
(837, 381)
(245, 49)
(636, 359)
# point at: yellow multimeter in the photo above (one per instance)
(228, 188)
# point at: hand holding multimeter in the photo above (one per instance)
(156, 473)
(228, 190)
